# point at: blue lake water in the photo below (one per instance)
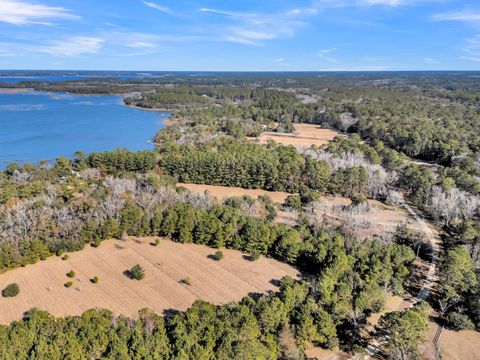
(43, 126)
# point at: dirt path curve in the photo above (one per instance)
(373, 349)
(430, 278)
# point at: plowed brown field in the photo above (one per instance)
(219, 282)
(224, 192)
(305, 135)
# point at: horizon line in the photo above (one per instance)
(249, 71)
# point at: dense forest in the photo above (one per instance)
(407, 139)
(347, 277)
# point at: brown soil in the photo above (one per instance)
(461, 345)
(219, 282)
(316, 353)
(305, 135)
(224, 192)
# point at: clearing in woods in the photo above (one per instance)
(219, 282)
(224, 192)
(305, 135)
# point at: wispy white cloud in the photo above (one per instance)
(463, 15)
(384, 2)
(278, 60)
(113, 25)
(6, 54)
(72, 47)
(302, 11)
(324, 54)
(358, 68)
(256, 28)
(21, 13)
(471, 49)
(226, 13)
(328, 51)
(159, 7)
(430, 60)
(325, 4)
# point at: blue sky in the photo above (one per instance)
(288, 35)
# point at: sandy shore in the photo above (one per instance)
(5, 91)
(149, 109)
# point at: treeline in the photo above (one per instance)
(230, 162)
(121, 160)
(194, 103)
(270, 327)
(170, 98)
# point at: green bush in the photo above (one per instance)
(137, 272)
(60, 252)
(293, 202)
(68, 284)
(94, 280)
(186, 281)
(157, 242)
(96, 243)
(65, 257)
(71, 274)
(458, 321)
(218, 255)
(254, 256)
(358, 199)
(11, 290)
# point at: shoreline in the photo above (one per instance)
(167, 122)
(9, 91)
(149, 109)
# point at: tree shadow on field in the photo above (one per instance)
(255, 295)
(251, 258)
(128, 274)
(169, 313)
(275, 282)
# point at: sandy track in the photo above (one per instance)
(219, 282)
(224, 192)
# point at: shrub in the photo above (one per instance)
(11, 290)
(96, 243)
(186, 281)
(65, 257)
(254, 256)
(137, 272)
(358, 199)
(157, 242)
(71, 274)
(68, 284)
(218, 255)
(293, 202)
(308, 196)
(60, 252)
(94, 280)
(458, 321)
